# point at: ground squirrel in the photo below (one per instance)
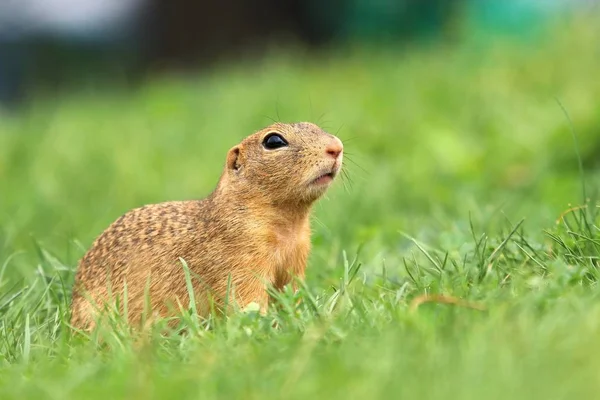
(252, 229)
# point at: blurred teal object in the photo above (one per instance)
(406, 19)
(516, 17)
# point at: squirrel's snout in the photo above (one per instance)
(334, 148)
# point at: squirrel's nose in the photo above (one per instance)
(334, 148)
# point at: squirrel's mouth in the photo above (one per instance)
(324, 179)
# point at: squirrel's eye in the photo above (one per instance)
(274, 141)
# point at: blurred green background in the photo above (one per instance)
(452, 121)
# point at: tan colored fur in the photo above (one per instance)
(253, 229)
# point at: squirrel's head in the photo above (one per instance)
(285, 163)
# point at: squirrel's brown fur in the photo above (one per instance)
(252, 230)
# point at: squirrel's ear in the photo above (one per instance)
(233, 156)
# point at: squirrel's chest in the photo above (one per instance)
(288, 250)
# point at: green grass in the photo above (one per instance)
(461, 162)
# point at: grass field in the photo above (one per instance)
(462, 167)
